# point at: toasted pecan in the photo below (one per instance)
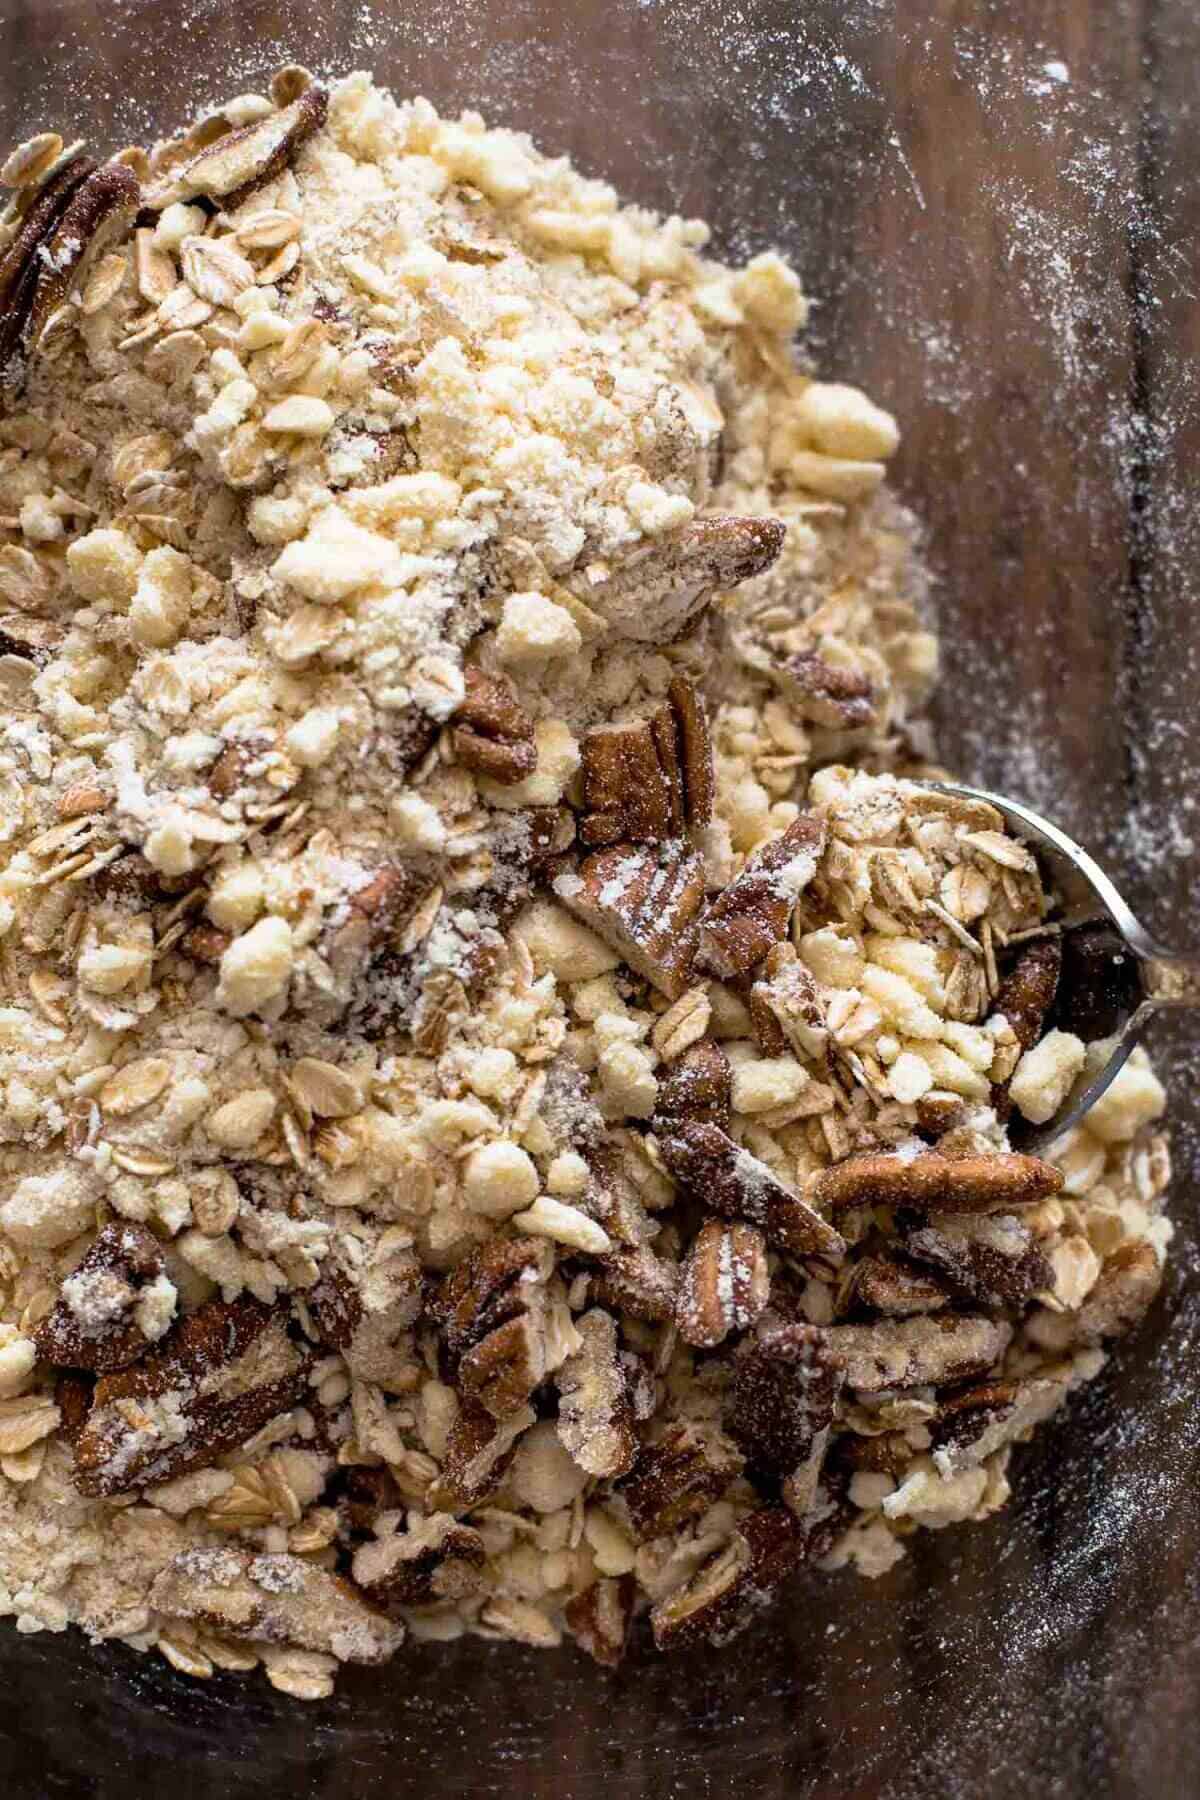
(219, 1375)
(755, 909)
(95, 1324)
(595, 1416)
(1124, 1292)
(725, 1285)
(987, 1257)
(991, 1182)
(679, 1477)
(786, 1386)
(436, 1559)
(492, 733)
(729, 1180)
(698, 1086)
(601, 1618)
(919, 1352)
(644, 900)
(278, 1599)
(739, 1581)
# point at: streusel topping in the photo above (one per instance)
(506, 1074)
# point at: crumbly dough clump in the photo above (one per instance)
(504, 1079)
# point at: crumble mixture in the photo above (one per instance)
(504, 1077)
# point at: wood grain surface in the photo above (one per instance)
(995, 205)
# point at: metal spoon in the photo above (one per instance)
(1120, 974)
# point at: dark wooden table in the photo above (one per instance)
(996, 207)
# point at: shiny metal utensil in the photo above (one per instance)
(1115, 975)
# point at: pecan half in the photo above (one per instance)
(478, 1452)
(601, 1618)
(649, 779)
(992, 1182)
(889, 1286)
(659, 589)
(595, 1417)
(220, 1374)
(756, 908)
(923, 1352)
(975, 1424)
(739, 1581)
(679, 1478)
(724, 1286)
(96, 1323)
(727, 1179)
(698, 1086)
(436, 1559)
(839, 699)
(492, 734)
(1124, 1292)
(786, 1386)
(635, 1281)
(645, 901)
(277, 1599)
(245, 159)
(1025, 997)
(992, 1258)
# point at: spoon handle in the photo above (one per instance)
(1172, 980)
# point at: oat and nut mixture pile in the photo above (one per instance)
(504, 1081)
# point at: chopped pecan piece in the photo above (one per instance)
(991, 1258)
(99, 208)
(490, 1308)
(505, 1367)
(479, 1451)
(220, 1374)
(205, 944)
(367, 1493)
(600, 1619)
(887, 1454)
(724, 1286)
(991, 1182)
(1027, 992)
(492, 733)
(595, 1417)
(785, 1007)
(728, 1180)
(1026, 995)
(740, 1580)
(648, 779)
(697, 1086)
(1123, 1294)
(628, 794)
(242, 160)
(972, 1425)
(938, 1114)
(436, 1559)
(786, 1386)
(635, 1281)
(889, 1286)
(99, 1321)
(368, 1315)
(276, 1599)
(695, 750)
(645, 901)
(839, 699)
(679, 1478)
(73, 1398)
(659, 589)
(21, 265)
(34, 640)
(922, 1352)
(756, 908)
